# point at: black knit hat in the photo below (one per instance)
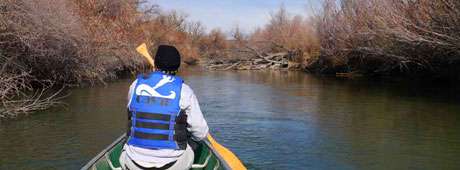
(167, 58)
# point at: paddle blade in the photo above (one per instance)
(229, 157)
(142, 49)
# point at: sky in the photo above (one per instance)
(226, 14)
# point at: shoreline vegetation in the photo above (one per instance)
(47, 46)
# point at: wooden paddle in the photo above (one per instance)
(142, 49)
(229, 157)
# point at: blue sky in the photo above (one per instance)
(248, 14)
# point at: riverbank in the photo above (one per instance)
(416, 39)
(258, 61)
(47, 46)
(389, 38)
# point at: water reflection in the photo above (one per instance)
(322, 122)
(272, 120)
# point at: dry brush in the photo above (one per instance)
(389, 37)
(47, 45)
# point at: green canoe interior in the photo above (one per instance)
(201, 155)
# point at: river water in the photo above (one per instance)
(270, 119)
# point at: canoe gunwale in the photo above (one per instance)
(219, 157)
(101, 154)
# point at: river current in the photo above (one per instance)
(270, 119)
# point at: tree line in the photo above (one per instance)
(48, 45)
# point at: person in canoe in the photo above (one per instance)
(163, 114)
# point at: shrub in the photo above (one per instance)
(390, 37)
(287, 33)
(55, 43)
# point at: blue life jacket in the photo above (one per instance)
(156, 120)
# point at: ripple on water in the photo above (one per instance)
(271, 120)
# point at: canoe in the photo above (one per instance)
(208, 155)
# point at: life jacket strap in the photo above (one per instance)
(180, 130)
(150, 136)
(128, 130)
(180, 127)
(153, 116)
(152, 125)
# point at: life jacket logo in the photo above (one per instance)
(146, 90)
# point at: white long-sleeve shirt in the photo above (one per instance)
(197, 126)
